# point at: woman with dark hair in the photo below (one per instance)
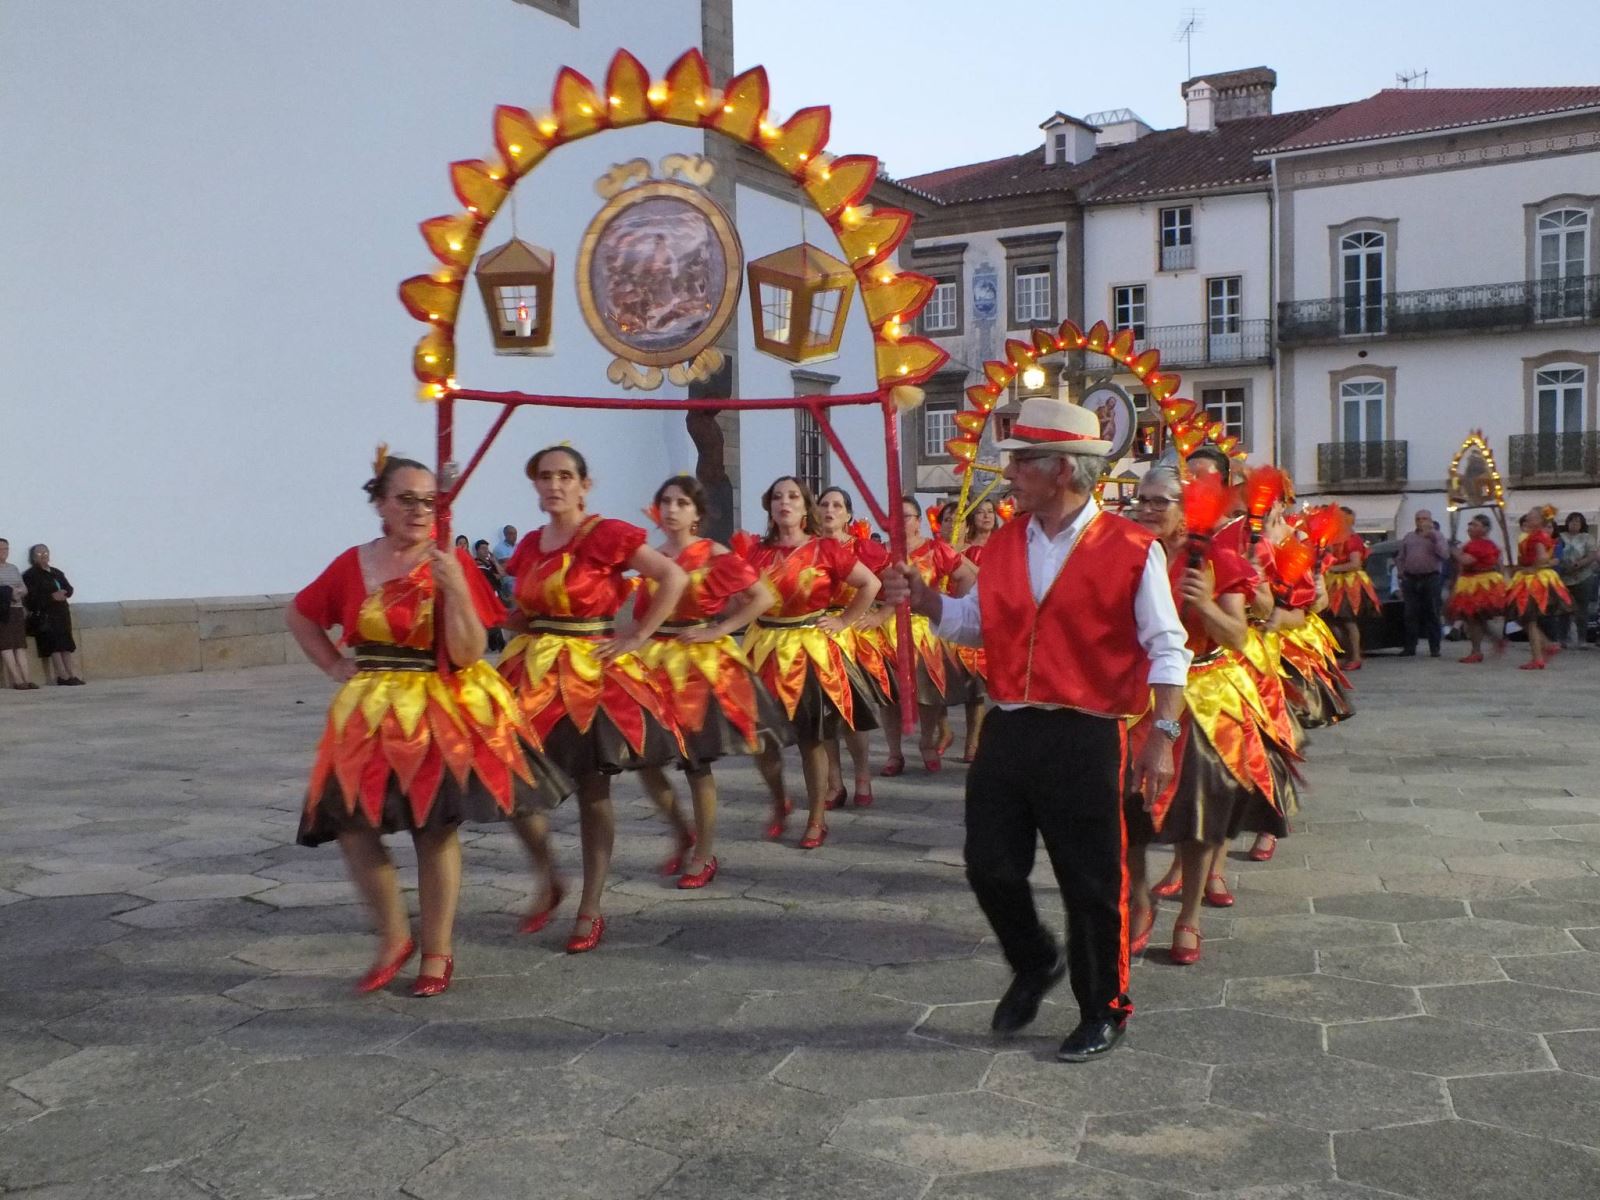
(1536, 592)
(48, 593)
(796, 646)
(462, 542)
(866, 645)
(719, 704)
(1479, 594)
(13, 624)
(582, 686)
(1575, 563)
(945, 570)
(1351, 595)
(407, 747)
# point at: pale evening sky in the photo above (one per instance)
(925, 84)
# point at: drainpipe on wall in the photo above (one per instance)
(1272, 315)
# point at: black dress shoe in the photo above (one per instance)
(1411, 653)
(1021, 1002)
(1091, 1039)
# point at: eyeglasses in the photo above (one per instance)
(410, 501)
(1159, 503)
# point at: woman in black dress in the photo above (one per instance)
(50, 619)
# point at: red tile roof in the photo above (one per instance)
(1396, 111)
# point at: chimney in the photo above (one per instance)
(1200, 99)
(1233, 94)
(1067, 140)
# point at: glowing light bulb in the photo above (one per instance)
(515, 149)
(524, 321)
(1033, 377)
(586, 109)
(614, 100)
(657, 94)
(547, 127)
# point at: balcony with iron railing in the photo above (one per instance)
(1554, 458)
(1202, 345)
(1178, 258)
(1362, 466)
(1522, 304)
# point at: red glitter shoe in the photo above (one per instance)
(1142, 938)
(1185, 956)
(1217, 896)
(700, 878)
(837, 800)
(863, 795)
(1168, 891)
(1473, 658)
(583, 943)
(538, 920)
(1536, 665)
(433, 985)
(382, 975)
(815, 836)
(780, 818)
(674, 864)
(1266, 843)
(895, 766)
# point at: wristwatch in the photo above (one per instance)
(1172, 729)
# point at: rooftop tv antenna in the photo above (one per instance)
(1406, 78)
(1188, 25)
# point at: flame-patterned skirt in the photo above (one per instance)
(971, 667)
(594, 717)
(1536, 592)
(938, 684)
(1317, 689)
(869, 650)
(1477, 597)
(1351, 595)
(719, 703)
(405, 748)
(808, 672)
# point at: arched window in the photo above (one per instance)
(1563, 261)
(1361, 415)
(1362, 273)
(1558, 398)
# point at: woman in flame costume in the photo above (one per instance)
(585, 690)
(719, 705)
(1351, 595)
(407, 747)
(980, 524)
(942, 567)
(867, 644)
(1225, 782)
(1536, 592)
(797, 647)
(1479, 594)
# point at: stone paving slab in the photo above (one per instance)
(1404, 1003)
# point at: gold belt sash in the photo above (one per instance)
(573, 626)
(374, 656)
(799, 622)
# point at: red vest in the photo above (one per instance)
(1078, 648)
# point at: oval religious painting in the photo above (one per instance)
(659, 273)
(1119, 420)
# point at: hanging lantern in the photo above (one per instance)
(799, 298)
(517, 281)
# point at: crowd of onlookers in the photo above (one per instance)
(33, 603)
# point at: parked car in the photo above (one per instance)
(1387, 630)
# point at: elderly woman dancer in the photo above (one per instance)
(583, 688)
(720, 706)
(797, 647)
(1479, 594)
(407, 747)
(1536, 592)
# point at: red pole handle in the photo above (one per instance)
(896, 528)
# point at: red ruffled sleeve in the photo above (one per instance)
(1234, 575)
(1483, 553)
(611, 543)
(487, 605)
(333, 597)
(727, 575)
(527, 548)
(874, 555)
(946, 559)
(1356, 546)
(839, 558)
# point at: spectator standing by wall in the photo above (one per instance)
(50, 617)
(13, 623)
(483, 558)
(1422, 558)
(502, 551)
(1576, 565)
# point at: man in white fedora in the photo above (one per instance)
(1074, 610)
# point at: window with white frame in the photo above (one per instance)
(810, 451)
(938, 427)
(1558, 399)
(1177, 238)
(1563, 260)
(1361, 415)
(1030, 295)
(940, 313)
(1127, 308)
(1362, 273)
(1224, 305)
(1226, 405)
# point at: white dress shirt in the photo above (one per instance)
(1155, 613)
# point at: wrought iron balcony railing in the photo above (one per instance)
(1368, 464)
(1517, 305)
(1555, 458)
(1202, 345)
(1177, 258)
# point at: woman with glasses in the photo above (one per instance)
(945, 570)
(582, 686)
(798, 647)
(406, 746)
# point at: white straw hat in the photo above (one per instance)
(1046, 423)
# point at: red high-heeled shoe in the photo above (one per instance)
(780, 818)
(1185, 956)
(932, 764)
(432, 985)
(837, 800)
(1536, 665)
(946, 742)
(382, 975)
(815, 836)
(674, 864)
(1353, 665)
(1168, 891)
(1219, 896)
(580, 944)
(1142, 938)
(895, 766)
(538, 920)
(863, 796)
(699, 878)
(1472, 658)
(1266, 843)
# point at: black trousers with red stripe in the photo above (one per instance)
(1055, 775)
